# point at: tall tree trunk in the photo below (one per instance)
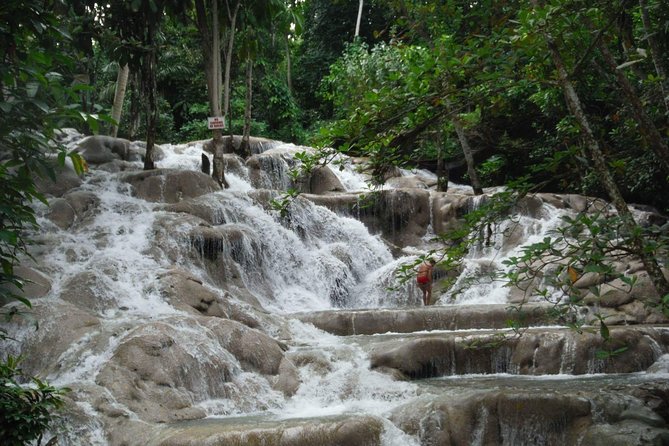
(655, 53)
(357, 22)
(289, 78)
(211, 53)
(135, 106)
(442, 172)
(245, 148)
(469, 157)
(149, 74)
(602, 171)
(648, 130)
(232, 23)
(119, 96)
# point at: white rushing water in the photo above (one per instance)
(314, 260)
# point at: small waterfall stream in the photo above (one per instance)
(238, 251)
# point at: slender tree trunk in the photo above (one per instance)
(601, 169)
(442, 173)
(469, 157)
(151, 104)
(135, 106)
(232, 22)
(119, 96)
(245, 148)
(289, 78)
(648, 130)
(211, 53)
(357, 22)
(655, 53)
(216, 76)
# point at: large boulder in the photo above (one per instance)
(93, 291)
(270, 169)
(169, 186)
(61, 326)
(323, 180)
(495, 418)
(73, 207)
(100, 149)
(534, 353)
(187, 293)
(408, 320)
(350, 431)
(64, 181)
(36, 284)
(161, 370)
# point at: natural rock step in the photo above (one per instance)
(519, 411)
(545, 351)
(408, 320)
(335, 431)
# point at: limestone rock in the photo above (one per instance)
(187, 293)
(35, 283)
(91, 291)
(72, 207)
(351, 431)
(254, 350)
(478, 417)
(61, 325)
(323, 180)
(406, 320)
(100, 149)
(65, 180)
(625, 434)
(61, 213)
(407, 182)
(534, 353)
(169, 186)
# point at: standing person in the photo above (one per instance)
(424, 279)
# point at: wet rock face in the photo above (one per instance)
(192, 371)
(35, 284)
(170, 186)
(73, 207)
(100, 149)
(271, 170)
(356, 322)
(185, 292)
(535, 353)
(495, 418)
(42, 349)
(323, 180)
(65, 180)
(359, 431)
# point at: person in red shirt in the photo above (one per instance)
(424, 279)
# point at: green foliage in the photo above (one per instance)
(591, 243)
(25, 410)
(37, 96)
(277, 108)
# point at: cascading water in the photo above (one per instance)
(113, 261)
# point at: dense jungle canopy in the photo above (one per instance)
(420, 80)
(565, 96)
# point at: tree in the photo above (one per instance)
(35, 100)
(121, 84)
(136, 24)
(357, 22)
(601, 166)
(655, 52)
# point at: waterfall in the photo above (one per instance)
(181, 317)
